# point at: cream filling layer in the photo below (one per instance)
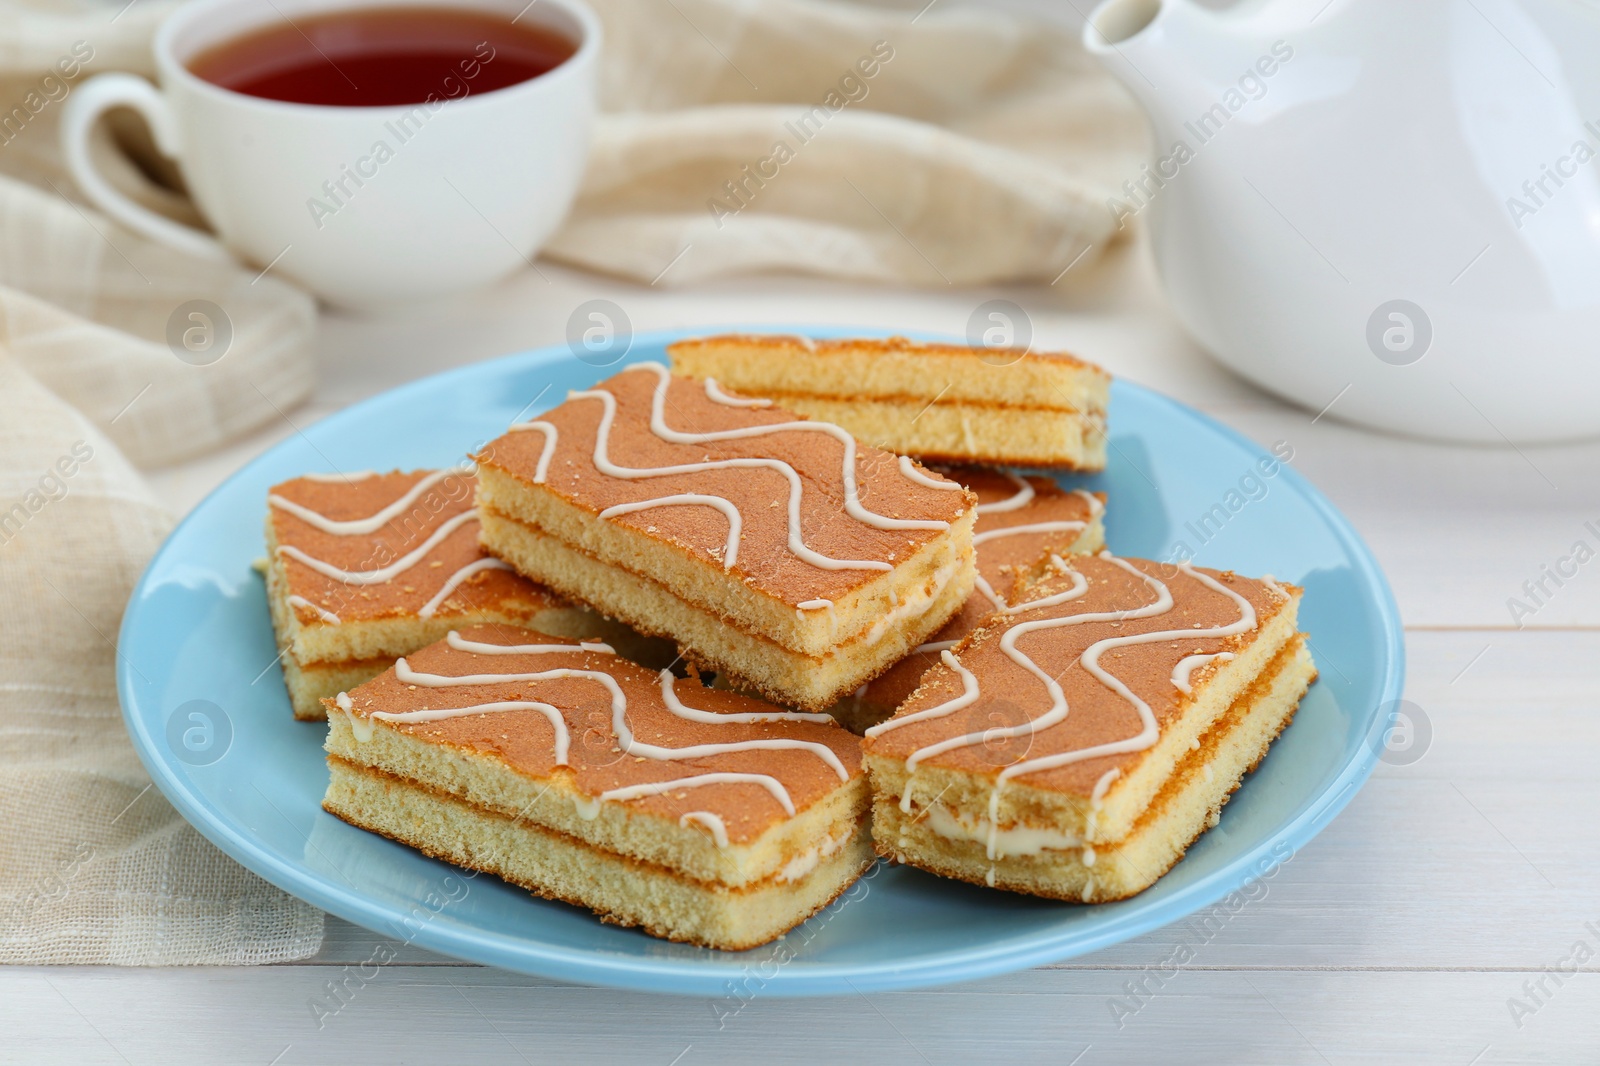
(1019, 839)
(809, 859)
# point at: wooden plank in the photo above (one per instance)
(1457, 530)
(411, 1014)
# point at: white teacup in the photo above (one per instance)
(466, 191)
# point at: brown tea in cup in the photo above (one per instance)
(383, 56)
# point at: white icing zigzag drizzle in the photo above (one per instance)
(341, 479)
(987, 535)
(603, 463)
(360, 526)
(563, 738)
(387, 573)
(1021, 498)
(969, 693)
(1024, 495)
(1189, 664)
(629, 744)
(655, 788)
(713, 822)
(551, 435)
(476, 647)
(1090, 660)
(852, 498)
(730, 553)
(658, 426)
(669, 695)
(909, 469)
(454, 582)
(321, 612)
(715, 394)
(371, 524)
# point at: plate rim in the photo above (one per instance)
(701, 977)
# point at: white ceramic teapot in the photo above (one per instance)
(1386, 210)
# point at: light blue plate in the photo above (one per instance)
(209, 716)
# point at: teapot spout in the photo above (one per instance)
(1161, 51)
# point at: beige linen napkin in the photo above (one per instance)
(931, 143)
(95, 866)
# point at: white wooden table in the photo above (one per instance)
(1449, 887)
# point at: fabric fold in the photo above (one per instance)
(115, 353)
(95, 865)
(926, 146)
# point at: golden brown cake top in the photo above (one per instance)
(365, 546)
(1074, 683)
(798, 509)
(848, 346)
(1020, 520)
(732, 765)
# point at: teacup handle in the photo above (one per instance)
(83, 109)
